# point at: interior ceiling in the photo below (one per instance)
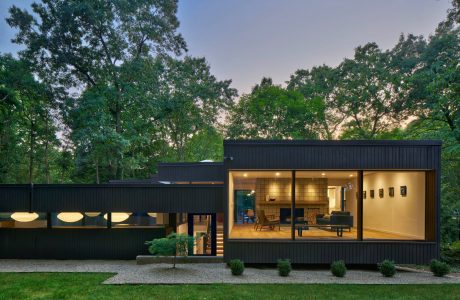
(287, 174)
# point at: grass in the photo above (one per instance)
(88, 286)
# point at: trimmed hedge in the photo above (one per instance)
(237, 267)
(338, 268)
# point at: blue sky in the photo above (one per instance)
(244, 40)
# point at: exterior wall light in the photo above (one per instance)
(70, 217)
(24, 216)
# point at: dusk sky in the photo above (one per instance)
(244, 40)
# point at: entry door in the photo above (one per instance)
(203, 229)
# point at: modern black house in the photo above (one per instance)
(310, 201)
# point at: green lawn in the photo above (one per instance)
(88, 286)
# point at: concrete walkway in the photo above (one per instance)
(127, 272)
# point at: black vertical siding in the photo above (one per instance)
(203, 171)
(15, 197)
(325, 252)
(334, 155)
(70, 243)
(112, 197)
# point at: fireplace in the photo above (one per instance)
(285, 214)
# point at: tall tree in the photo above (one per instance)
(435, 84)
(272, 112)
(85, 43)
(31, 124)
(318, 86)
(192, 101)
(369, 94)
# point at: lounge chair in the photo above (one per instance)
(263, 220)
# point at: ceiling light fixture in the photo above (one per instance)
(277, 174)
(70, 217)
(92, 214)
(118, 217)
(24, 216)
(245, 174)
(323, 174)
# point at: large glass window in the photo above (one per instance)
(394, 205)
(77, 219)
(260, 204)
(100, 219)
(138, 219)
(22, 220)
(327, 201)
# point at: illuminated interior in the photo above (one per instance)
(325, 205)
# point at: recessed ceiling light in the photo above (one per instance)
(245, 174)
(351, 175)
(323, 174)
(277, 173)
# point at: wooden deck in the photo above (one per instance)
(247, 231)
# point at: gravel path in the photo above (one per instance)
(130, 273)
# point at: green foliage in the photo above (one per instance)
(439, 268)
(272, 112)
(172, 245)
(338, 268)
(137, 104)
(387, 268)
(284, 267)
(29, 148)
(236, 266)
(451, 253)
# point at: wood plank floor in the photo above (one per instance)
(247, 231)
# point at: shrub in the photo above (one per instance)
(172, 245)
(439, 268)
(284, 267)
(237, 267)
(338, 268)
(387, 268)
(451, 253)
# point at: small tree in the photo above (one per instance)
(172, 245)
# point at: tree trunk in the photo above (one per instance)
(97, 171)
(47, 166)
(118, 129)
(31, 153)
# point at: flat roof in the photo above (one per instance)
(336, 142)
